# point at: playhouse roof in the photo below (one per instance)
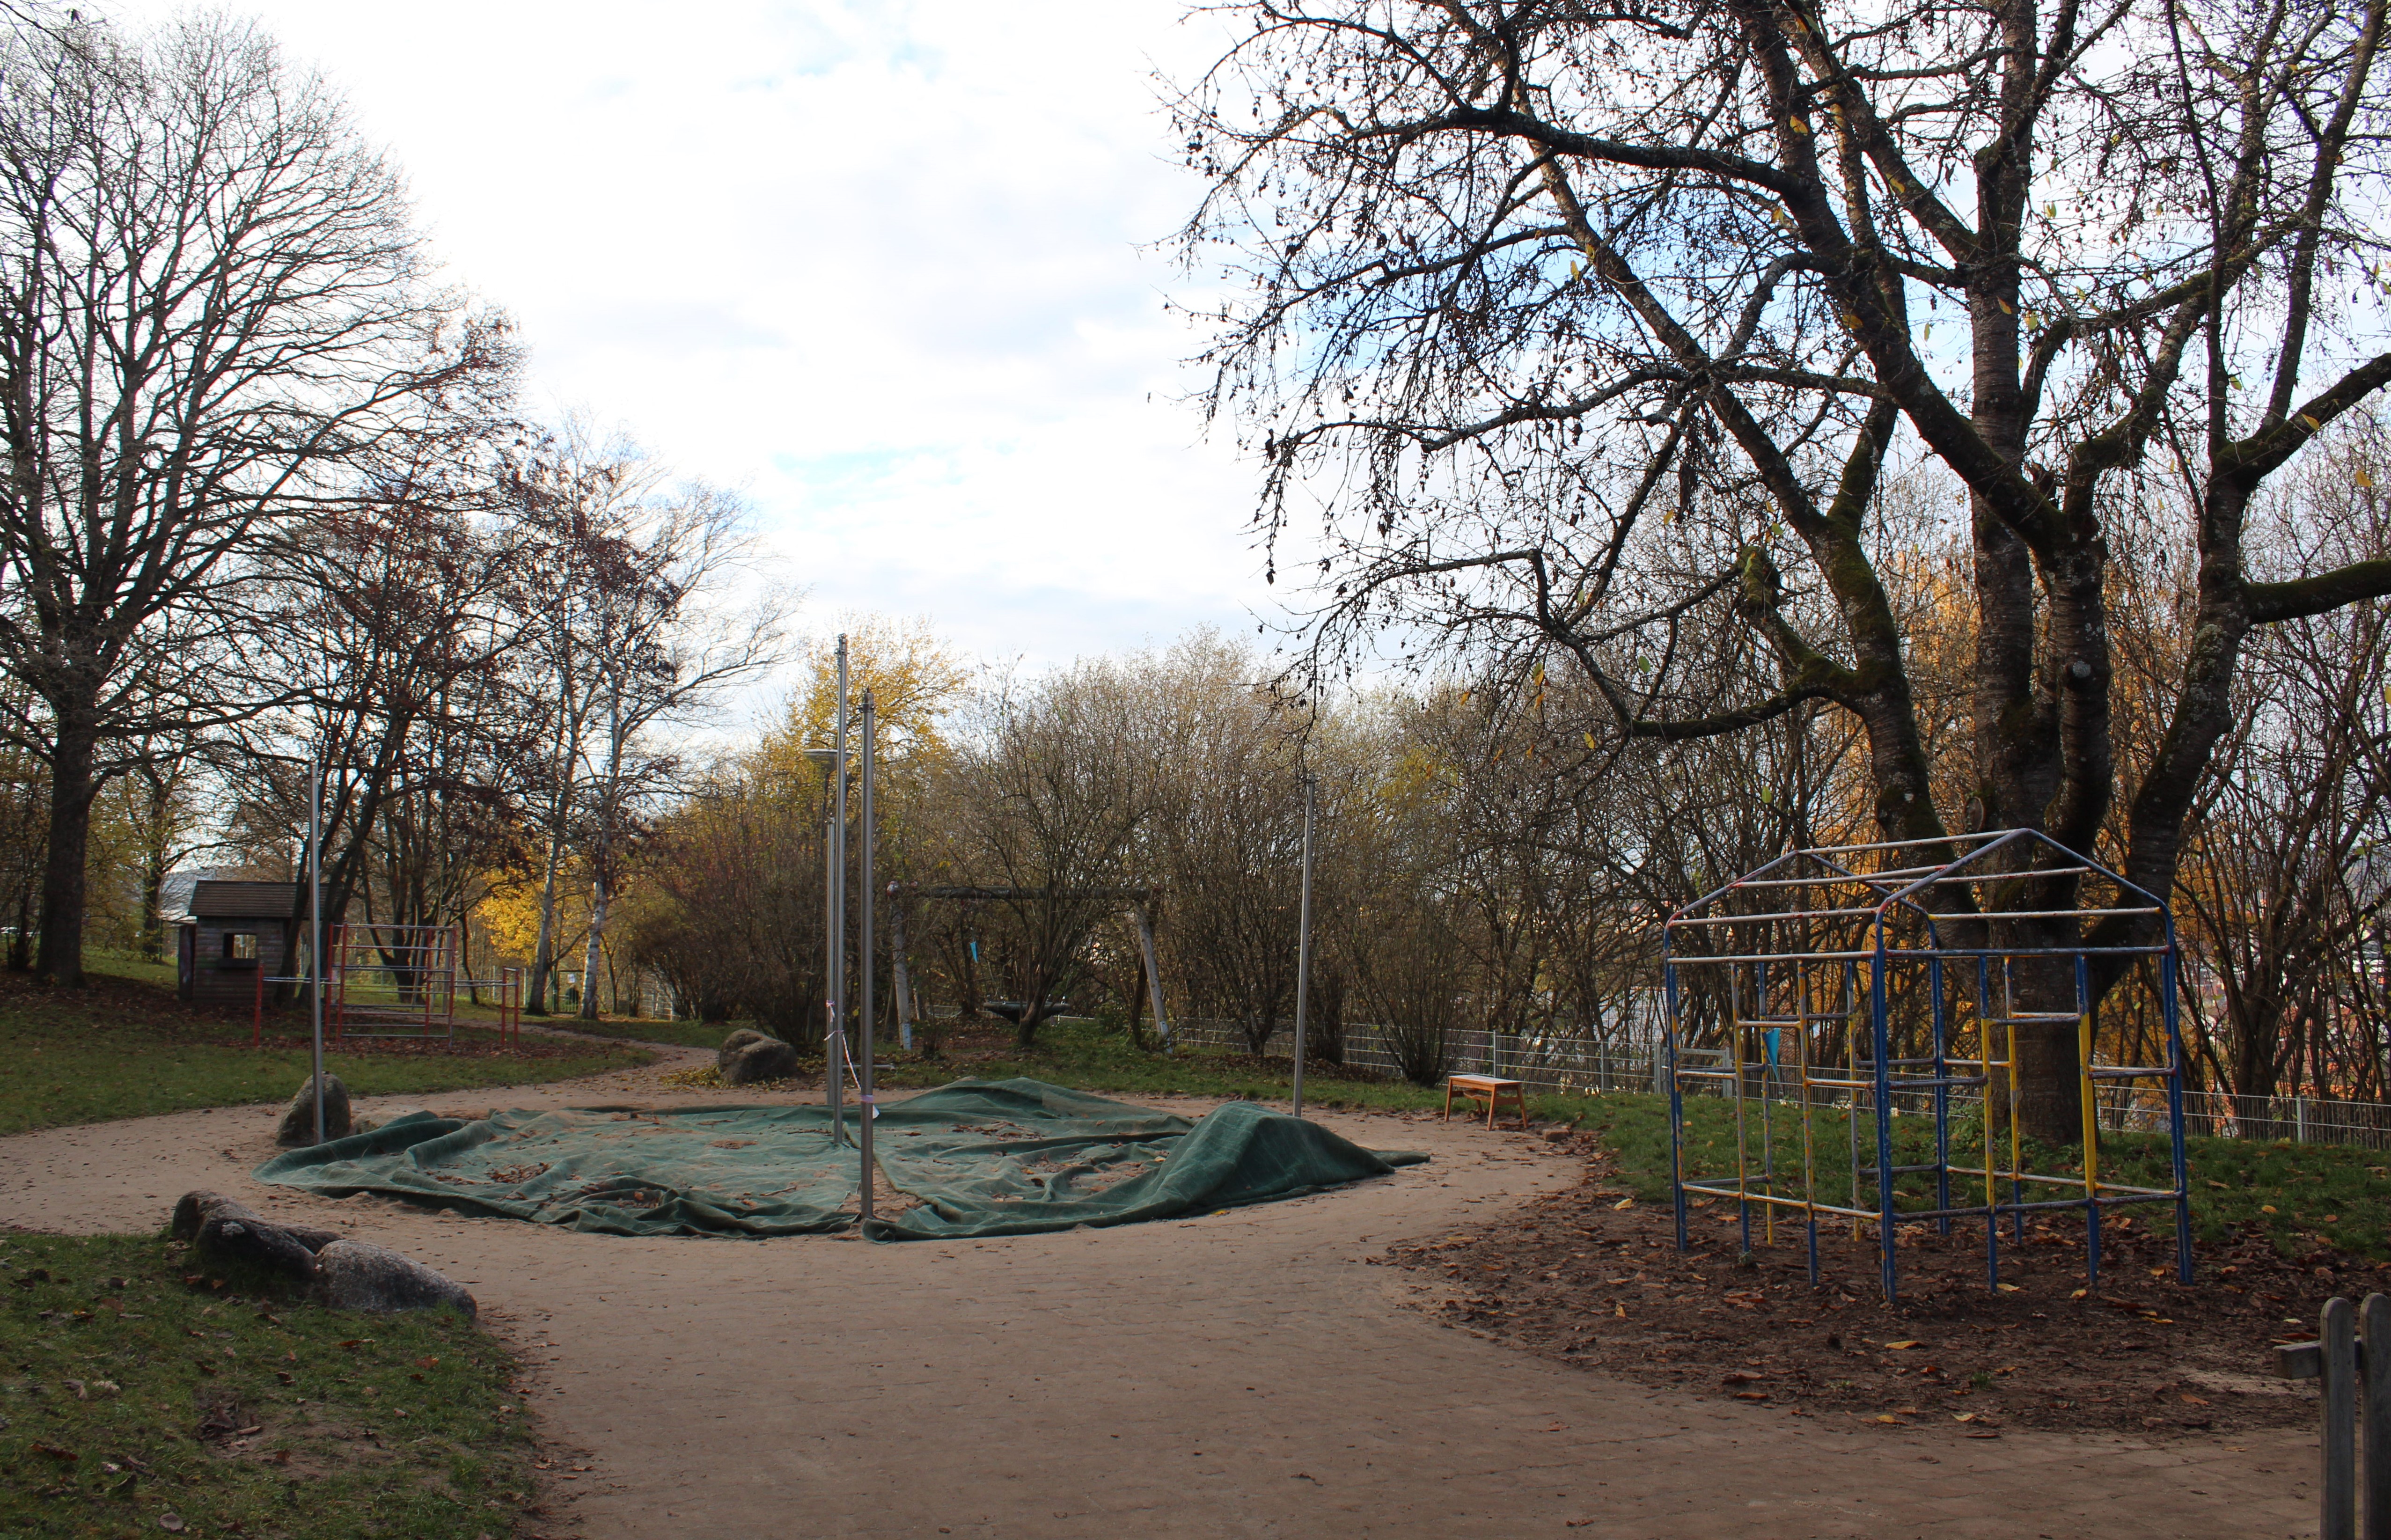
(241, 900)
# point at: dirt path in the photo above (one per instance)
(1241, 1374)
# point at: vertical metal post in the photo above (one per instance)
(2086, 1041)
(2374, 1414)
(315, 927)
(1303, 945)
(866, 1109)
(2167, 1009)
(1665, 1069)
(835, 1051)
(2337, 1339)
(830, 1070)
(1880, 1037)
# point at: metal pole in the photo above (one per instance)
(1303, 944)
(868, 1109)
(837, 1056)
(315, 925)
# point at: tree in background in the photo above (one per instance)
(1587, 329)
(621, 586)
(212, 317)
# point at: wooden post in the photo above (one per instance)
(2374, 1419)
(904, 972)
(2356, 1371)
(2338, 1339)
(1153, 977)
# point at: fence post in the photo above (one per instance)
(2374, 1422)
(2338, 1339)
(2300, 1119)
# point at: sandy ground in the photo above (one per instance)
(1246, 1373)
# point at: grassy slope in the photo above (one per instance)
(125, 1048)
(688, 1034)
(358, 1425)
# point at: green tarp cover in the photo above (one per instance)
(984, 1157)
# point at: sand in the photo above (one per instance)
(1248, 1373)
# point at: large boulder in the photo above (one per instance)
(195, 1209)
(252, 1242)
(366, 1122)
(734, 1042)
(298, 1125)
(764, 1059)
(355, 1274)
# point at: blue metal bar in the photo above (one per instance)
(1676, 1099)
(2168, 984)
(1881, 1024)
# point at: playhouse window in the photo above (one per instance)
(240, 946)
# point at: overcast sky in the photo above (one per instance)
(876, 264)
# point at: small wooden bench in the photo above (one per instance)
(1489, 1090)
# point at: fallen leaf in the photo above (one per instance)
(54, 1452)
(1899, 1347)
(1888, 1417)
(1630, 1203)
(171, 1522)
(2195, 1401)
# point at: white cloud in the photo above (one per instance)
(877, 264)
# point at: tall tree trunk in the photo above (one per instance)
(153, 872)
(543, 956)
(594, 959)
(63, 878)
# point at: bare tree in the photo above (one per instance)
(622, 588)
(1587, 327)
(211, 309)
(1040, 807)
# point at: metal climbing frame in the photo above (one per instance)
(1843, 985)
(392, 981)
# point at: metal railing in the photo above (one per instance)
(1568, 1064)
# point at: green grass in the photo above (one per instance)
(122, 1048)
(2299, 1195)
(363, 1425)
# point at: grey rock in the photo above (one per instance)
(366, 1122)
(734, 1042)
(226, 1239)
(192, 1209)
(767, 1059)
(298, 1125)
(195, 1209)
(355, 1274)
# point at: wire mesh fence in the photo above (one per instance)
(1565, 1064)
